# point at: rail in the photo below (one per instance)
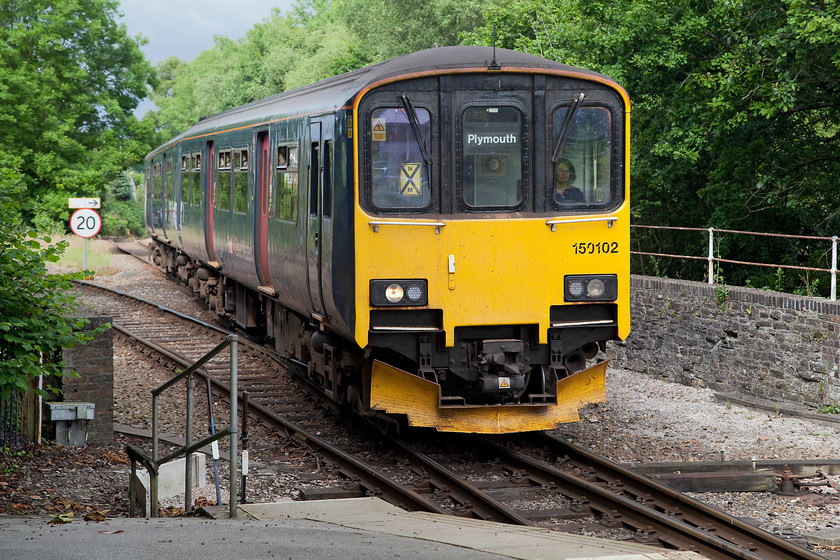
(712, 259)
(190, 447)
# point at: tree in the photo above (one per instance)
(70, 77)
(317, 39)
(388, 28)
(35, 323)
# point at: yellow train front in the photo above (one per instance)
(441, 237)
(491, 240)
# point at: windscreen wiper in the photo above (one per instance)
(415, 126)
(567, 122)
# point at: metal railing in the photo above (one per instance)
(190, 447)
(12, 421)
(712, 259)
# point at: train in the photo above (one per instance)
(405, 233)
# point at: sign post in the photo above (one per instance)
(85, 222)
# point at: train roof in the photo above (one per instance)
(333, 93)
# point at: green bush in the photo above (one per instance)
(35, 323)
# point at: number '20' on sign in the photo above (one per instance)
(85, 222)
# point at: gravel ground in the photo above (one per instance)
(645, 420)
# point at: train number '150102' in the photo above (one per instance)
(607, 247)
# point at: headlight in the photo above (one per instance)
(398, 293)
(601, 287)
(394, 293)
(595, 288)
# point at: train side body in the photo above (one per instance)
(399, 229)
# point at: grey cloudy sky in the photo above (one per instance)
(184, 28)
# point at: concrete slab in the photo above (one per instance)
(321, 510)
(825, 537)
(213, 539)
(171, 477)
(525, 543)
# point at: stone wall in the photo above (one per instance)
(94, 362)
(735, 340)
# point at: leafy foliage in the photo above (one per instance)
(70, 77)
(36, 304)
(317, 39)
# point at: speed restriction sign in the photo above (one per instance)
(85, 222)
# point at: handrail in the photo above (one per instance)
(232, 430)
(376, 223)
(712, 259)
(560, 221)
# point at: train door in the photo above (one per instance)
(263, 203)
(208, 166)
(314, 237)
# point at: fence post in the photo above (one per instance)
(711, 256)
(153, 479)
(188, 465)
(834, 268)
(234, 428)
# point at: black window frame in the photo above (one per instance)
(527, 150)
(616, 158)
(241, 179)
(195, 181)
(224, 155)
(286, 168)
(433, 147)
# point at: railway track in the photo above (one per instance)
(595, 496)
(531, 479)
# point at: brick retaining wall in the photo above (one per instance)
(740, 340)
(94, 362)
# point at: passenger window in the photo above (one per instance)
(240, 180)
(399, 176)
(492, 140)
(223, 192)
(195, 193)
(170, 183)
(147, 180)
(156, 183)
(286, 183)
(580, 172)
(157, 195)
(186, 179)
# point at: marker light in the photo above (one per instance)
(576, 288)
(415, 292)
(591, 287)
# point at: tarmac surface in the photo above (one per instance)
(351, 529)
